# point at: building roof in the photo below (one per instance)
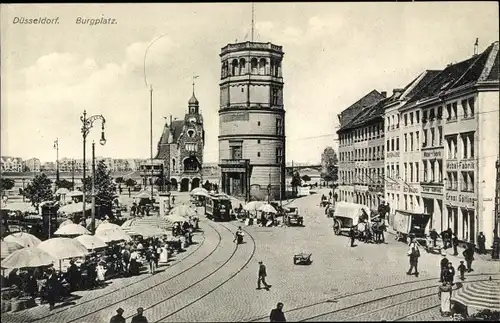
(466, 73)
(359, 108)
(419, 83)
(175, 129)
(193, 100)
(375, 111)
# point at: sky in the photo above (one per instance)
(335, 53)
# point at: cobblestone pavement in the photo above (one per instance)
(340, 277)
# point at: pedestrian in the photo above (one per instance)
(139, 317)
(434, 235)
(455, 244)
(469, 256)
(445, 298)
(481, 242)
(450, 236)
(173, 200)
(129, 192)
(414, 254)
(331, 194)
(150, 258)
(277, 314)
(449, 274)
(118, 318)
(461, 269)
(262, 276)
(444, 237)
(444, 264)
(352, 235)
(52, 288)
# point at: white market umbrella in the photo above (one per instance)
(74, 208)
(253, 205)
(7, 248)
(29, 257)
(20, 206)
(480, 295)
(268, 208)
(24, 239)
(64, 223)
(182, 211)
(199, 190)
(91, 242)
(200, 194)
(107, 226)
(111, 235)
(144, 230)
(62, 191)
(74, 193)
(71, 229)
(63, 248)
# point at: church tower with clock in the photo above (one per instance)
(181, 148)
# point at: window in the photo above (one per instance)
(452, 146)
(258, 141)
(455, 110)
(279, 155)
(440, 135)
(258, 154)
(424, 144)
(405, 167)
(378, 152)
(411, 118)
(388, 123)
(258, 123)
(279, 127)
(417, 140)
(411, 172)
(426, 178)
(417, 116)
(275, 97)
(406, 119)
(411, 141)
(471, 106)
(392, 144)
(406, 142)
(389, 145)
(448, 110)
(397, 143)
(440, 171)
(417, 175)
(433, 137)
(432, 114)
(424, 116)
(465, 108)
(397, 171)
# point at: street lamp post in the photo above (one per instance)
(24, 199)
(87, 124)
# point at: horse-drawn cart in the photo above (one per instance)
(406, 223)
(302, 259)
(347, 215)
(292, 216)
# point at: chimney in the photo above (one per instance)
(384, 94)
(397, 92)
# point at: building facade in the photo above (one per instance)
(181, 149)
(11, 164)
(363, 139)
(252, 120)
(348, 137)
(460, 135)
(32, 165)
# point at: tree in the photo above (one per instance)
(39, 190)
(6, 184)
(329, 163)
(64, 183)
(327, 179)
(119, 180)
(295, 181)
(130, 182)
(105, 188)
(306, 178)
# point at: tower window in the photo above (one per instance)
(258, 154)
(258, 141)
(258, 123)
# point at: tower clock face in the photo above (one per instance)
(192, 120)
(191, 133)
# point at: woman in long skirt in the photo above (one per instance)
(164, 255)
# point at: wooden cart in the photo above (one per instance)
(406, 223)
(302, 259)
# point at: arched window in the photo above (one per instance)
(243, 66)
(173, 164)
(253, 64)
(262, 66)
(234, 67)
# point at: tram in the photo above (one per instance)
(218, 208)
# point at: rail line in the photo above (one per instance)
(358, 293)
(79, 318)
(122, 287)
(416, 312)
(371, 301)
(216, 287)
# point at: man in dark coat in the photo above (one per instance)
(443, 265)
(454, 241)
(434, 235)
(118, 318)
(52, 288)
(414, 254)
(449, 273)
(469, 256)
(481, 242)
(262, 276)
(450, 236)
(139, 317)
(277, 314)
(74, 276)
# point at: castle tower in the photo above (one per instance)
(252, 121)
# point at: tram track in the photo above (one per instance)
(140, 280)
(114, 302)
(386, 297)
(358, 293)
(212, 290)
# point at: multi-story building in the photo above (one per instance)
(181, 148)
(347, 137)
(122, 165)
(252, 120)
(460, 127)
(365, 134)
(11, 164)
(48, 167)
(403, 138)
(109, 162)
(32, 165)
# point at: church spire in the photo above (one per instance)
(193, 102)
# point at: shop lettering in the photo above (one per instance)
(465, 199)
(438, 190)
(460, 165)
(393, 154)
(410, 189)
(432, 153)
